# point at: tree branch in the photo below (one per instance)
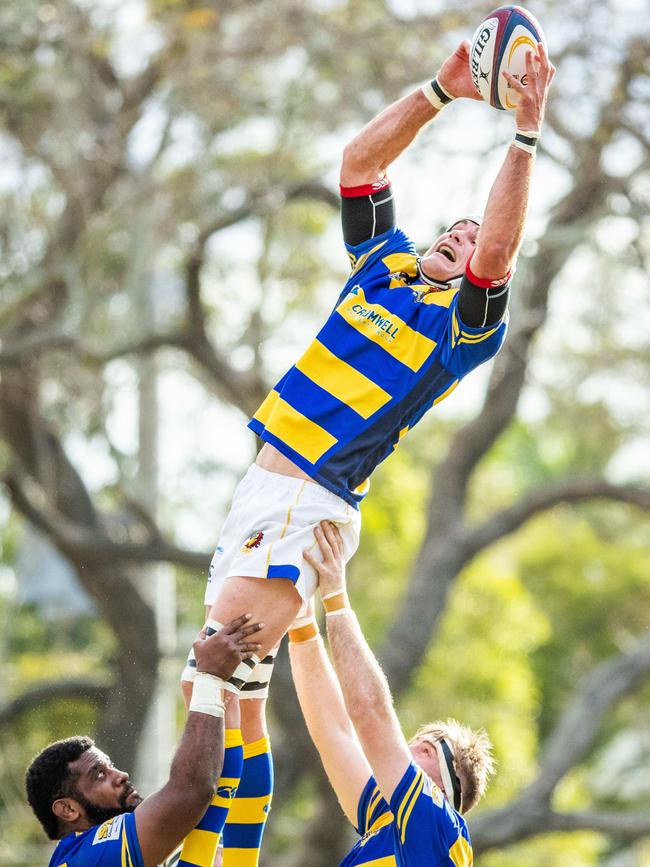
(450, 547)
(17, 350)
(623, 825)
(243, 389)
(571, 741)
(91, 545)
(13, 353)
(570, 490)
(577, 728)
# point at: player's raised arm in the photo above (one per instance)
(367, 202)
(381, 141)
(327, 720)
(365, 689)
(163, 819)
(503, 222)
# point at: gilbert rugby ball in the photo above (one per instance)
(501, 42)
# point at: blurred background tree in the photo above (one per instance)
(169, 245)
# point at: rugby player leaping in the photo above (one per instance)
(402, 334)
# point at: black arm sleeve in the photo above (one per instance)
(479, 306)
(366, 216)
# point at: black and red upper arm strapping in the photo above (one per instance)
(366, 211)
(482, 302)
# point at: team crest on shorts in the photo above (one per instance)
(253, 541)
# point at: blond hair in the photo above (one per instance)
(473, 759)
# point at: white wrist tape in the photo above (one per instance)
(206, 694)
(526, 140)
(338, 612)
(436, 94)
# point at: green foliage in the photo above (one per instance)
(393, 524)
(38, 652)
(551, 850)
(597, 601)
(29, 635)
(478, 670)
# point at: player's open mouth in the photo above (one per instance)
(447, 252)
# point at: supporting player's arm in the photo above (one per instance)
(163, 819)
(505, 214)
(364, 686)
(328, 723)
(367, 156)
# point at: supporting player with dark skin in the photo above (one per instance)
(164, 818)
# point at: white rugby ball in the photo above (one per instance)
(501, 42)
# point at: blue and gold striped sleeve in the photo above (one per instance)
(466, 347)
(371, 806)
(363, 256)
(425, 824)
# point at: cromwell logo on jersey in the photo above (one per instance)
(382, 323)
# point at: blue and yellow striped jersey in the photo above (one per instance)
(114, 843)
(418, 829)
(390, 349)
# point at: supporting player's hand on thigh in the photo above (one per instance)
(220, 653)
(331, 571)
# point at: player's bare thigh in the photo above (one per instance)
(272, 601)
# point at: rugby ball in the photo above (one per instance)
(500, 43)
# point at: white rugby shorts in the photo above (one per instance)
(271, 522)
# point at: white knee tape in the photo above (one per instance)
(242, 674)
(189, 672)
(257, 685)
(212, 626)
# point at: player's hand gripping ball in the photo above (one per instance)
(500, 43)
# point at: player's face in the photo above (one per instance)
(448, 256)
(100, 788)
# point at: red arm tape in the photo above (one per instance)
(365, 189)
(485, 282)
